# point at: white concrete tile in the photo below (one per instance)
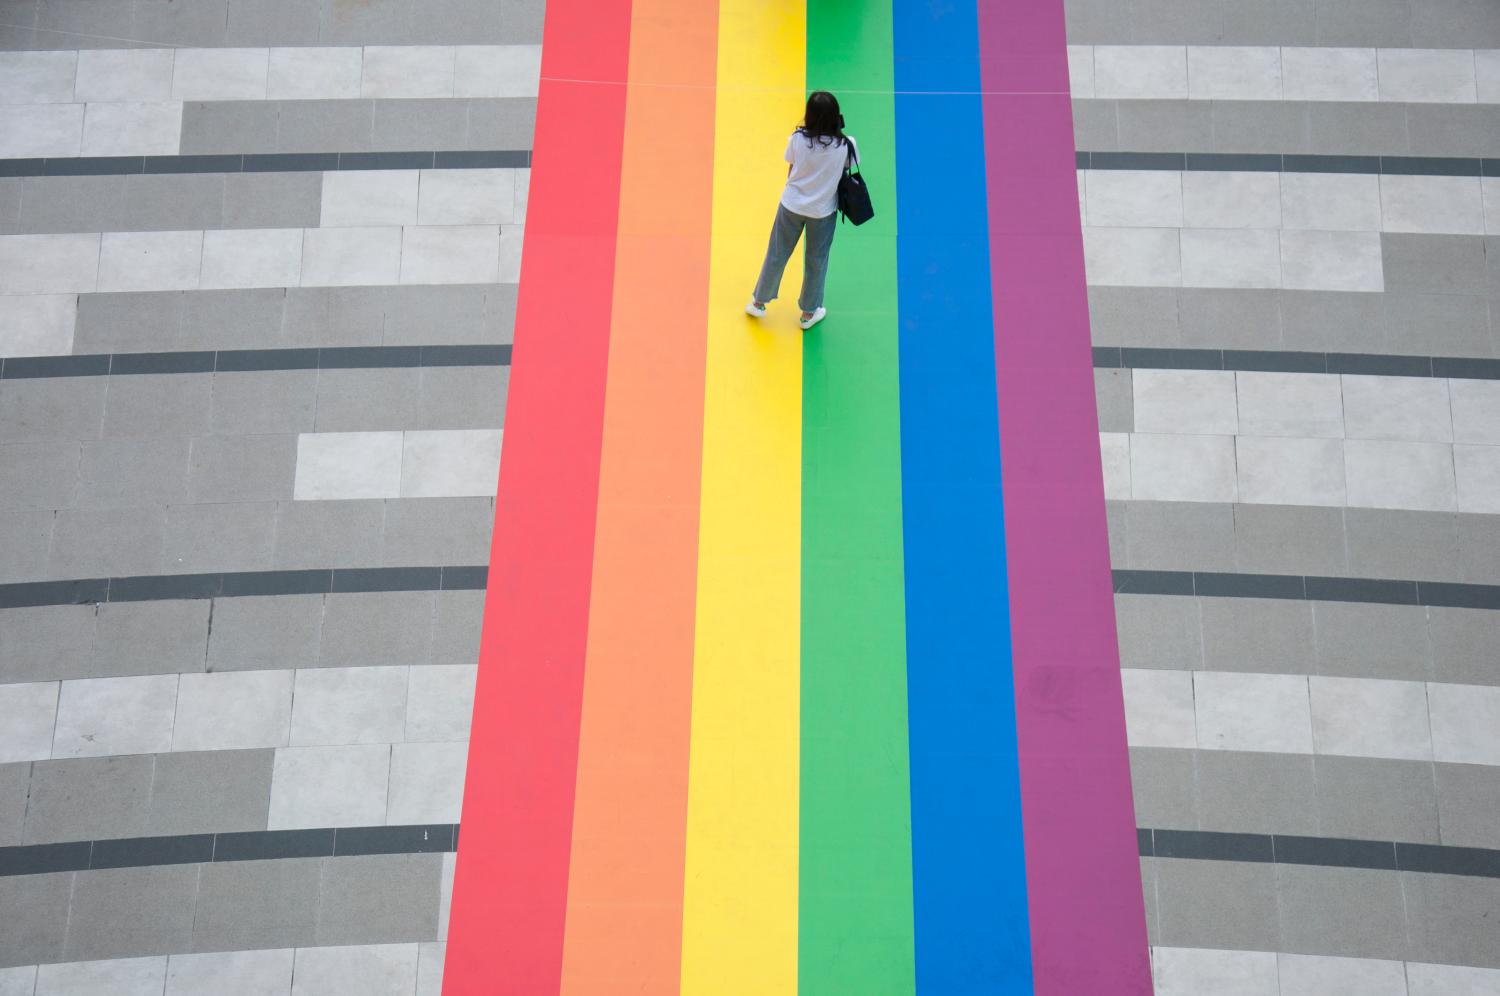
(1081, 71)
(150, 261)
(511, 239)
(1427, 75)
(1448, 980)
(35, 131)
(1487, 74)
(450, 463)
(30, 711)
(1348, 74)
(1339, 202)
(1410, 408)
(1182, 468)
(430, 959)
(1476, 410)
(1489, 189)
(1465, 723)
(1150, 72)
(133, 74)
(348, 257)
(1132, 257)
(233, 710)
(1212, 199)
(408, 71)
(1114, 451)
(497, 70)
(440, 702)
(1216, 257)
(1275, 470)
(349, 705)
(361, 970)
(101, 716)
(252, 257)
(1324, 975)
(1135, 198)
(1368, 717)
(1234, 72)
(1393, 474)
(1159, 708)
(450, 254)
(1200, 971)
(220, 74)
(1290, 404)
(115, 977)
(241, 973)
(1437, 204)
(1339, 261)
(1257, 712)
(19, 981)
(1083, 197)
(49, 264)
(427, 783)
(1477, 469)
(523, 188)
(329, 786)
(369, 197)
(37, 324)
(334, 465)
(314, 73)
(1199, 401)
(37, 77)
(149, 129)
(466, 197)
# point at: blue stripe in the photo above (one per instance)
(968, 861)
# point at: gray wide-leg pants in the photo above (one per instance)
(785, 232)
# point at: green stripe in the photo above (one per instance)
(855, 905)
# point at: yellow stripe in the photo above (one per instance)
(740, 901)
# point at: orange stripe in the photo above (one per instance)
(624, 922)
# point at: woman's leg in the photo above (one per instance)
(815, 262)
(785, 232)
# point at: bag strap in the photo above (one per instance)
(851, 158)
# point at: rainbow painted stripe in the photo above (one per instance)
(788, 682)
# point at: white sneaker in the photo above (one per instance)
(755, 310)
(817, 316)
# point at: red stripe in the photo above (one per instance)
(510, 896)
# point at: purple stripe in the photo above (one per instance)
(1088, 929)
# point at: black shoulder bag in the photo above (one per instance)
(854, 196)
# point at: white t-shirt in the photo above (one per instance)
(813, 185)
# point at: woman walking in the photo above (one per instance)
(818, 152)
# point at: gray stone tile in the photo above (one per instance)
(1363, 23)
(1333, 321)
(1454, 24)
(272, 200)
(334, 316)
(422, 531)
(1258, 125)
(1289, 539)
(232, 536)
(1112, 397)
(1217, 904)
(1354, 129)
(65, 409)
(1451, 918)
(456, 627)
(1463, 645)
(1372, 641)
(367, 400)
(1376, 799)
(173, 201)
(522, 20)
(1162, 781)
(419, 125)
(218, 791)
(80, 18)
(243, 468)
(216, 127)
(111, 542)
(264, 402)
(1096, 125)
(232, 319)
(10, 205)
(129, 322)
(1166, 22)
(172, 23)
(1148, 894)
(1436, 324)
(1134, 316)
(154, 637)
(135, 471)
(157, 405)
(317, 534)
(257, 23)
(1160, 631)
(46, 643)
(131, 912)
(1180, 535)
(1270, 22)
(1226, 318)
(26, 537)
(379, 628)
(1114, 516)
(39, 475)
(246, 905)
(1095, 22)
(15, 781)
(1255, 793)
(1165, 125)
(39, 935)
(1454, 129)
(319, 126)
(1386, 543)
(1437, 264)
(1468, 803)
(89, 798)
(500, 311)
(1348, 912)
(1264, 635)
(468, 397)
(436, 314)
(273, 631)
(70, 204)
(493, 124)
(380, 899)
(468, 22)
(379, 22)
(1479, 548)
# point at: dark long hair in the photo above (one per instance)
(822, 123)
